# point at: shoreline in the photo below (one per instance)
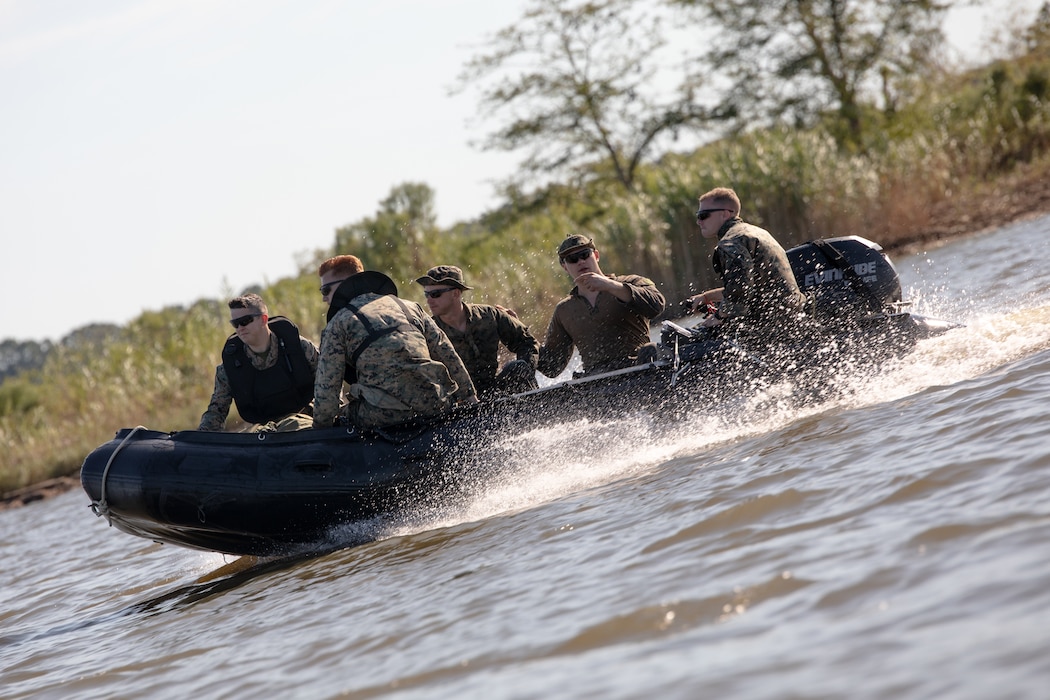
(1021, 196)
(38, 492)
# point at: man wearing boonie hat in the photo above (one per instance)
(476, 331)
(605, 317)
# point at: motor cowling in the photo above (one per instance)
(845, 277)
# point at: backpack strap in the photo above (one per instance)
(374, 334)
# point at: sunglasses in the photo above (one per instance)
(326, 288)
(702, 214)
(242, 321)
(436, 293)
(577, 257)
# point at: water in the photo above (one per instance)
(889, 543)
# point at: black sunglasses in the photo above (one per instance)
(325, 288)
(702, 214)
(242, 321)
(436, 293)
(577, 257)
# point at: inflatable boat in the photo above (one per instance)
(280, 494)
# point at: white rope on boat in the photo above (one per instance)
(101, 507)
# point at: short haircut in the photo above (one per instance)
(723, 197)
(252, 302)
(344, 265)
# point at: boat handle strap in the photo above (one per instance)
(101, 506)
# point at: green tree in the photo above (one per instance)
(397, 238)
(21, 355)
(797, 60)
(1037, 36)
(578, 83)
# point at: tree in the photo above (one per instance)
(395, 239)
(580, 85)
(21, 355)
(1037, 36)
(797, 60)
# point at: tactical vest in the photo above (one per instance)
(265, 395)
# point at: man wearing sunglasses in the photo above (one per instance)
(267, 370)
(476, 331)
(605, 317)
(760, 297)
(398, 364)
(334, 270)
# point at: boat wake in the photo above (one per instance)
(560, 461)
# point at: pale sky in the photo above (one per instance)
(154, 152)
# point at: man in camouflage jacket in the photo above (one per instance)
(477, 330)
(267, 369)
(398, 363)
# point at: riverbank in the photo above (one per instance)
(1021, 195)
(38, 492)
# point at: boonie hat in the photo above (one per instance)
(444, 274)
(574, 243)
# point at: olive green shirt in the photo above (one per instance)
(759, 286)
(607, 334)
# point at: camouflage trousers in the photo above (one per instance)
(516, 377)
(364, 415)
(288, 424)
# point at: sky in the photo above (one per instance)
(156, 152)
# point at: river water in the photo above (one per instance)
(893, 541)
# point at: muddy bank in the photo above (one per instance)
(38, 492)
(1024, 194)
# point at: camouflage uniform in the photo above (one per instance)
(411, 372)
(760, 288)
(478, 347)
(214, 418)
(608, 334)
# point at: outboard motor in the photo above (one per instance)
(846, 277)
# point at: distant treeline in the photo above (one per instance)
(20, 355)
(956, 133)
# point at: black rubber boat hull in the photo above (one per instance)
(273, 494)
(286, 493)
(266, 494)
